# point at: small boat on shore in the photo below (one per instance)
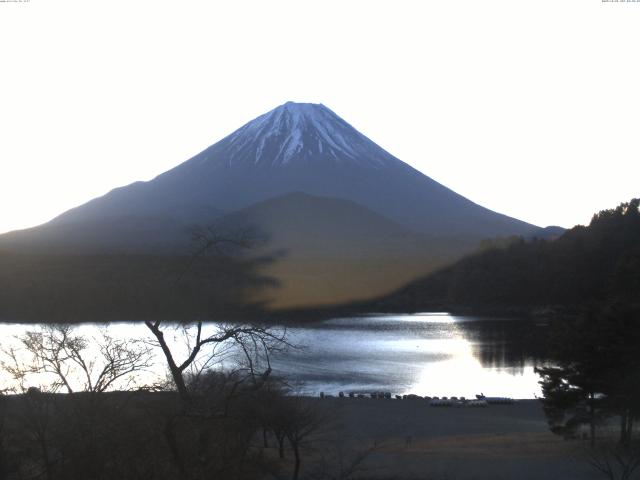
(496, 400)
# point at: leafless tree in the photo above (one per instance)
(304, 419)
(56, 350)
(68, 432)
(209, 239)
(216, 368)
(613, 460)
(344, 462)
(254, 342)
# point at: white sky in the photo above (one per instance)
(530, 108)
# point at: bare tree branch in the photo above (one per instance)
(55, 350)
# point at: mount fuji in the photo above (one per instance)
(320, 189)
(297, 147)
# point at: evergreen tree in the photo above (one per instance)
(596, 372)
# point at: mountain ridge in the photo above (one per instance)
(308, 148)
(347, 219)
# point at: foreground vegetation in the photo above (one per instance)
(202, 422)
(227, 432)
(240, 423)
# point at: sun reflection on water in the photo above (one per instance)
(434, 354)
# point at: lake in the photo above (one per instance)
(425, 354)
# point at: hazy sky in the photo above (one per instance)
(530, 108)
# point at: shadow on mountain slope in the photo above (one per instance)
(585, 265)
(95, 288)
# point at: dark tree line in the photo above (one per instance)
(584, 267)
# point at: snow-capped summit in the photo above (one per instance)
(301, 132)
(347, 219)
(298, 147)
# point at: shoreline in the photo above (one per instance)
(413, 440)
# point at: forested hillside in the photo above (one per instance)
(585, 266)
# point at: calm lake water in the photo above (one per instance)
(426, 354)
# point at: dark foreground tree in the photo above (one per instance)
(217, 374)
(596, 373)
(613, 460)
(253, 343)
(304, 419)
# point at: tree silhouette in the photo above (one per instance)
(596, 372)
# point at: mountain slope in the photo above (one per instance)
(114, 234)
(306, 225)
(305, 148)
(328, 250)
(348, 219)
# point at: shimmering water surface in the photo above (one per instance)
(426, 354)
